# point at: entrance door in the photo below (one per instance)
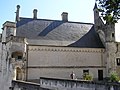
(18, 74)
(100, 74)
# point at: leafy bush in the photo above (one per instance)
(87, 77)
(114, 77)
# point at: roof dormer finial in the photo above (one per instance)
(95, 7)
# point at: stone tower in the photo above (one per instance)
(106, 32)
(110, 48)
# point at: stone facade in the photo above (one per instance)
(61, 61)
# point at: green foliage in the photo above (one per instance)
(87, 77)
(114, 77)
(110, 10)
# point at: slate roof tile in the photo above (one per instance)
(82, 34)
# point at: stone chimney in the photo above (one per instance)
(64, 16)
(17, 13)
(35, 14)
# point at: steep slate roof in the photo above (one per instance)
(79, 34)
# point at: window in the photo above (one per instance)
(19, 57)
(85, 72)
(113, 35)
(118, 61)
(12, 56)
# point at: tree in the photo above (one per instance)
(110, 10)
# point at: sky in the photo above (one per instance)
(78, 10)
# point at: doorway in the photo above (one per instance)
(100, 74)
(18, 74)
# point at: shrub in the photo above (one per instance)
(87, 77)
(114, 77)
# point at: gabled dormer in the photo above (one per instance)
(98, 23)
(9, 29)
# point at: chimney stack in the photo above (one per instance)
(35, 14)
(17, 13)
(64, 16)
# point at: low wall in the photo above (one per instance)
(65, 84)
(22, 85)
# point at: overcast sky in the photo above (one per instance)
(78, 10)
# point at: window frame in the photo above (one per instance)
(85, 71)
(19, 57)
(118, 61)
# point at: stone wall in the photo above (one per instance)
(67, 84)
(22, 85)
(6, 69)
(63, 84)
(61, 61)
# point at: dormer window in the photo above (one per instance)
(10, 31)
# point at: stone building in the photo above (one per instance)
(33, 48)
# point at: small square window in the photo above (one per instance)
(118, 61)
(19, 57)
(85, 72)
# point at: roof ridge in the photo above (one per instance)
(57, 20)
